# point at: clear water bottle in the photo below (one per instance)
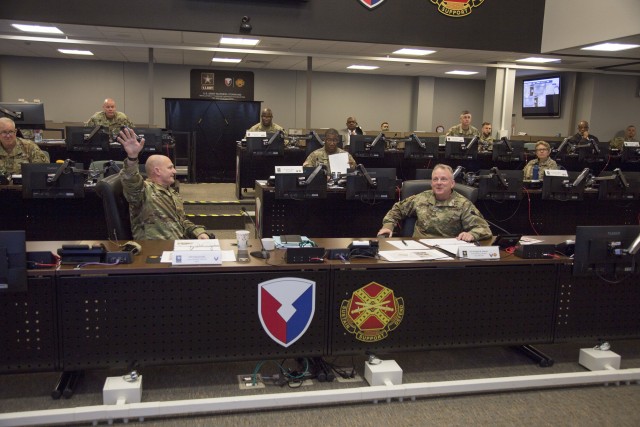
(536, 173)
(37, 136)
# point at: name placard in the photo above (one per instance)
(479, 252)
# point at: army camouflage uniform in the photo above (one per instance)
(435, 218)
(485, 145)
(114, 125)
(618, 142)
(258, 127)
(547, 164)
(157, 212)
(458, 131)
(24, 152)
(321, 157)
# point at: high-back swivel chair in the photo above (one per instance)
(415, 186)
(116, 208)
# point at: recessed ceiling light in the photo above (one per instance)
(75, 52)
(239, 41)
(362, 67)
(37, 29)
(229, 60)
(415, 52)
(611, 47)
(461, 72)
(538, 60)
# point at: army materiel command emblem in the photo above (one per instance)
(456, 8)
(372, 312)
(371, 3)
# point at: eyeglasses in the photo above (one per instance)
(8, 132)
(542, 149)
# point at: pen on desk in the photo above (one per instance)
(404, 243)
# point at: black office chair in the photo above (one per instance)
(415, 186)
(116, 208)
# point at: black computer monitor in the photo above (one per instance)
(631, 152)
(310, 184)
(564, 188)
(87, 139)
(26, 115)
(461, 148)
(367, 145)
(593, 152)
(505, 150)
(13, 261)
(266, 146)
(607, 250)
(495, 184)
(619, 185)
(152, 139)
(421, 148)
(52, 181)
(371, 185)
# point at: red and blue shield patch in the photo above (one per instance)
(371, 3)
(286, 306)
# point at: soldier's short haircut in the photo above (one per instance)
(331, 131)
(442, 166)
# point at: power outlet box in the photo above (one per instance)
(119, 257)
(304, 255)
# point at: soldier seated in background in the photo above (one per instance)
(110, 118)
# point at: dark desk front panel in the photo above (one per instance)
(446, 307)
(334, 216)
(28, 328)
(176, 318)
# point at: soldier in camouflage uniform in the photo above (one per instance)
(321, 155)
(629, 135)
(266, 123)
(486, 140)
(464, 128)
(110, 118)
(155, 207)
(543, 150)
(15, 151)
(440, 212)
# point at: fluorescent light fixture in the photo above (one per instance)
(228, 60)
(611, 47)
(37, 29)
(461, 72)
(75, 52)
(239, 41)
(537, 60)
(362, 67)
(414, 52)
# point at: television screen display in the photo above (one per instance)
(421, 148)
(606, 250)
(564, 188)
(26, 115)
(508, 151)
(541, 97)
(618, 185)
(152, 139)
(461, 148)
(495, 184)
(80, 138)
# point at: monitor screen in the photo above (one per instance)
(79, 138)
(421, 148)
(631, 152)
(594, 152)
(564, 188)
(618, 185)
(541, 97)
(152, 139)
(367, 145)
(497, 184)
(311, 184)
(370, 185)
(51, 181)
(27, 115)
(270, 145)
(13, 261)
(508, 151)
(461, 148)
(606, 251)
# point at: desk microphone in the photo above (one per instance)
(262, 254)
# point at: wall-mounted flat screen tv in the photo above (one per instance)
(541, 97)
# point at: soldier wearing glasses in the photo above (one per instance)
(543, 161)
(15, 151)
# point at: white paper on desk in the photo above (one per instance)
(425, 255)
(339, 162)
(529, 241)
(227, 256)
(196, 245)
(407, 245)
